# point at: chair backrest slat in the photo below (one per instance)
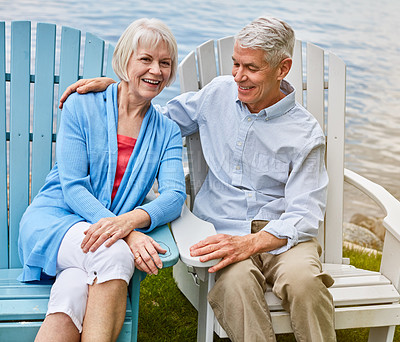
(315, 82)
(335, 159)
(69, 60)
(94, 56)
(295, 76)
(3, 153)
(43, 105)
(19, 126)
(109, 70)
(225, 50)
(188, 82)
(188, 74)
(206, 62)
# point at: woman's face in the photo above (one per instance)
(149, 70)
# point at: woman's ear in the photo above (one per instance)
(284, 68)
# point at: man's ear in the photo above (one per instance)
(284, 68)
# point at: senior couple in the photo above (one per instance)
(88, 224)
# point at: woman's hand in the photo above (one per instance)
(107, 230)
(145, 250)
(84, 86)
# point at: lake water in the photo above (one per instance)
(364, 33)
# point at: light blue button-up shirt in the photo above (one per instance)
(264, 166)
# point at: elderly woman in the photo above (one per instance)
(87, 225)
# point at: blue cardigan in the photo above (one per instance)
(79, 186)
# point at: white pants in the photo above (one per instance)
(76, 270)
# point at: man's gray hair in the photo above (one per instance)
(272, 35)
(148, 33)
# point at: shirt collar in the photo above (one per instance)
(281, 107)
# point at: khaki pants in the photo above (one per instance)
(238, 300)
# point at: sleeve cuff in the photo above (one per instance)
(282, 231)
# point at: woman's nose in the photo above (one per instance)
(155, 68)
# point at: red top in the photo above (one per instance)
(125, 148)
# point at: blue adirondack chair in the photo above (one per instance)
(26, 157)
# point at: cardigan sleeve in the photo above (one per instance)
(171, 184)
(73, 164)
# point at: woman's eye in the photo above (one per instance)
(166, 63)
(145, 59)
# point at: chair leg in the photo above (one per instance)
(205, 324)
(381, 334)
(134, 294)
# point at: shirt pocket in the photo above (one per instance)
(268, 175)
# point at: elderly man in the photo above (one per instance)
(265, 154)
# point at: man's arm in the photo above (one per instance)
(84, 86)
(305, 199)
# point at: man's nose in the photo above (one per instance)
(239, 75)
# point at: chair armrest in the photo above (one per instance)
(163, 236)
(391, 249)
(188, 229)
(382, 197)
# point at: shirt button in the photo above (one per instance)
(237, 167)
(239, 143)
(250, 195)
(249, 119)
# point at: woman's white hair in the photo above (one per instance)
(272, 35)
(144, 32)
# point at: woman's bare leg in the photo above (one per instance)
(58, 327)
(105, 311)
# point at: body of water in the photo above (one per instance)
(364, 33)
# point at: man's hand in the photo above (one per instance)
(232, 248)
(84, 86)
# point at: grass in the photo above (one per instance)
(166, 315)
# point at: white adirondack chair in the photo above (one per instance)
(362, 298)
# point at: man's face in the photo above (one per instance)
(258, 83)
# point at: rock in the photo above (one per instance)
(373, 224)
(361, 236)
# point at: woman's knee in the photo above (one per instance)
(114, 262)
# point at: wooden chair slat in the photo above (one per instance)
(69, 61)
(109, 69)
(188, 74)
(188, 82)
(295, 76)
(225, 50)
(366, 280)
(206, 62)
(335, 160)
(19, 135)
(3, 153)
(94, 56)
(315, 82)
(43, 105)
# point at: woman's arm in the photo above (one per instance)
(73, 166)
(171, 184)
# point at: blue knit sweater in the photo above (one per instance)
(79, 186)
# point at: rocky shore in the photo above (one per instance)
(364, 231)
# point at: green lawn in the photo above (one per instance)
(166, 315)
